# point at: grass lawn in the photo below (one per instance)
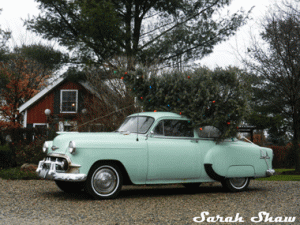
(282, 177)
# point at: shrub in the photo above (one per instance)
(282, 156)
(6, 156)
(29, 153)
(25, 146)
(17, 174)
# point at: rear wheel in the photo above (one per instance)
(70, 187)
(104, 181)
(236, 184)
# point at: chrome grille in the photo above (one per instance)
(61, 164)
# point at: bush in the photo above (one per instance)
(29, 153)
(6, 157)
(25, 146)
(17, 174)
(282, 156)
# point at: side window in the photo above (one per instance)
(208, 132)
(174, 128)
(159, 129)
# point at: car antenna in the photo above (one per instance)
(137, 129)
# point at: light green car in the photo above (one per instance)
(151, 148)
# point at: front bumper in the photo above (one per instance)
(47, 170)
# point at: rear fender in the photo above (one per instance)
(227, 161)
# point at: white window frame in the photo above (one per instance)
(63, 124)
(37, 124)
(41, 124)
(61, 102)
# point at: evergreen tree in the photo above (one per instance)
(49, 59)
(160, 31)
(4, 37)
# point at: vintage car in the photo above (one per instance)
(151, 148)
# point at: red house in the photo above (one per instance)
(61, 103)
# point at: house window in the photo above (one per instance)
(41, 125)
(69, 101)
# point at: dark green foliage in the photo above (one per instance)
(29, 153)
(75, 75)
(217, 97)
(4, 37)
(17, 174)
(25, 146)
(147, 30)
(6, 156)
(50, 58)
(274, 124)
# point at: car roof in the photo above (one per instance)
(157, 115)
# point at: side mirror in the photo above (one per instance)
(149, 134)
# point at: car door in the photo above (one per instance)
(172, 152)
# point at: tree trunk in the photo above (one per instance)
(296, 148)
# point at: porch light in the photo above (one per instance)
(84, 111)
(47, 112)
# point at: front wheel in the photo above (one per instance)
(236, 184)
(104, 181)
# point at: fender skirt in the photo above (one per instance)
(212, 174)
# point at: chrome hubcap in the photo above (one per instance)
(238, 183)
(105, 181)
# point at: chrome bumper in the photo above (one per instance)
(49, 172)
(270, 172)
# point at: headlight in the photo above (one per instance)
(72, 147)
(45, 147)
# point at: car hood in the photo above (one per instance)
(92, 140)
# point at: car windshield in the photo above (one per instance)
(137, 124)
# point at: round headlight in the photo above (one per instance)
(45, 147)
(72, 147)
(64, 165)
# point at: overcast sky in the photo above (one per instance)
(224, 54)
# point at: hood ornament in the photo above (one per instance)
(54, 148)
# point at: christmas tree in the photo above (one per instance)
(208, 97)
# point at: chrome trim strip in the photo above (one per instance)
(172, 137)
(186, 138)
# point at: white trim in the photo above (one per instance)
(25, 119)
(61, 96)
(51, 87)
(63, 124)
(41, 124)
(40, 94)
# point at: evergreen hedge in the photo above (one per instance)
(6, 156)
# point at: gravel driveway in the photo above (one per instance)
(41, 202)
